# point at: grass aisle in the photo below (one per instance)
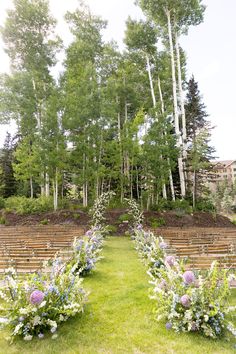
(118, 317)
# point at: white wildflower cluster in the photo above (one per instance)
(98, 210)
(135, 212)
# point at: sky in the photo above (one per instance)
(210, 49)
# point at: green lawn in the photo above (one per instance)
(118, 317)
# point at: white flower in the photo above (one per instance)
(61, 318)
(23, 311)
(17, 328)
(42, 304)
(36, 320)
(206, 318)
(52, 323)
(54, 336)
(28, 337)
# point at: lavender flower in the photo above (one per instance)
(36, 297)
(170, 260)
(139, 227)
(41, 335)
(185, 300)
(189, 277)
(162, 284)
(89, 233)
(163, 245)
(168, 325)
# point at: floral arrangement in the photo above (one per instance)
(135, 212)
(41, 301)
(186, 300)
(86, 253)
(97, 212)
(38, 303)
(190, 302)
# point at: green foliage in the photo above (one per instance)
(181, 206)
(205, 205)
(156, 222)
(2, 203)
(111, 229)
(125, 217)
(23, 205)
(3, 220)
(44, 222)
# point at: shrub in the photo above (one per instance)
(111, 229)
(2, 220)
(23, 205)
(2, 203)
(44, 222)
(205, 205)
(156, 222)
(125, 217)
(182, 205)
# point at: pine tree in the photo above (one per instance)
(200, 153)
(7, 179)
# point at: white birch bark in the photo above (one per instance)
(181, 97)
(164, 194)
(175, 103)
(168, 160)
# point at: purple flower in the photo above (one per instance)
(89, 233)
(185, 300)
(189, 277)
(194, 327)
(21, 319)
(168, 325)
(36, 297)
(162, 284)
(41, 335)
(163, 245)
(170, 260)
(139, 227)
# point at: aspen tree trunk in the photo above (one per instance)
(121, 159)
(38, 119)
(55, 190)
(181, 100)
(137, 183)
(154, 105)
(168, 159)
(151, 81)
(47, 188)
(194, 188)
(84, 183)
(176, 117)
(31, 188)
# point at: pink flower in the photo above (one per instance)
(189, 277)
(170, 260)
(36, 297)
(185, 300)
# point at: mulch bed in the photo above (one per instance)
(81, 218)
